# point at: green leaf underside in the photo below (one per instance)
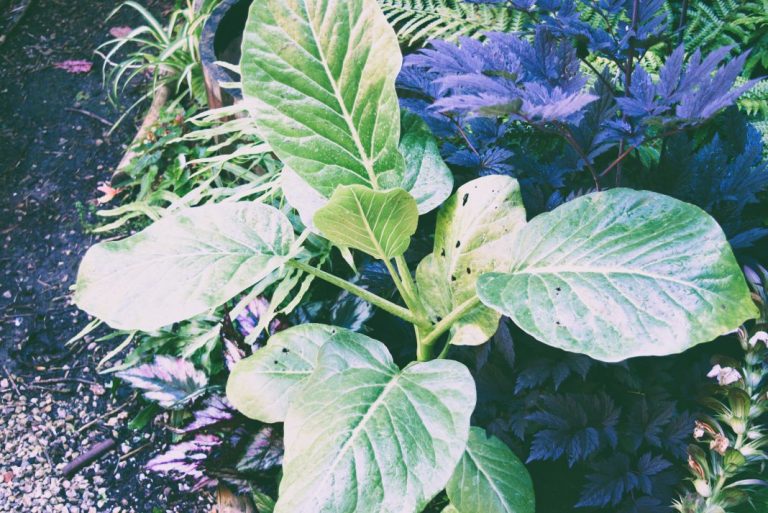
(182, 265)
(377, 223)
(319, 80)
(622, 273)
(427, 178)
(364, 436)
(490, 479)
(473, 234)
(262, 385)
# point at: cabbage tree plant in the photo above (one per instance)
(613, 274)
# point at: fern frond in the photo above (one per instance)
(714, 23)
(755, 101)
(762, 127)
(417, 21)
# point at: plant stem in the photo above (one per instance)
(360, 292)
(410, 287)
(397, 281)
(425, 348)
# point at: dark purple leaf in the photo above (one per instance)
(215, 409)
(264, 452)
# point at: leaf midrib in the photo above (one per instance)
(349, 443)
(607, 271)
(365, 159)
(381, 255)
(488, 478)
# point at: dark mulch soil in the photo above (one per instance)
(52, 158)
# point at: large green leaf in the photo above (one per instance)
(622, 273)
(427, 178)
(378, 223)
(182, 265)
(262, 385)
(319, 81)
(490, 479)
(364, 436)
(472, 237)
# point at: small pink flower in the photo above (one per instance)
(719, 444)
(724, 375)
(120, 32)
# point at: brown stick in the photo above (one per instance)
(88, 457)
(90, 115)
(12, 381)
(159, 100)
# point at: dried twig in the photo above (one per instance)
(105, 415)
(91, 115)
(135, 451)
(13, 382)
(88, 457)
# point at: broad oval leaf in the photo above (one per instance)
(182, 265)
(472, 237)
(262, 385)
(319, 81)
(490, 479)
(375, 222)
(364, 436)
(427, 178)
(622, 273)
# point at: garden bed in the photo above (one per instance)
(511, 272)
(54, 152)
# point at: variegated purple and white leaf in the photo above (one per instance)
(168, 381)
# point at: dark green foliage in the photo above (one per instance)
(599, 437)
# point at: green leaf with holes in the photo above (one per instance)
(182, 265)
(472, 237)
(365, 436)
(375, 222)
(319, 82)
(622, 273)
(490, 479)
(262, 385)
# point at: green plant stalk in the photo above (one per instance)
(372, 298)
(425, 349)
(407, 281)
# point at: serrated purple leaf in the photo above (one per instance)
(185, 458)
(264, 452)
(216, 409)
(170, 382)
